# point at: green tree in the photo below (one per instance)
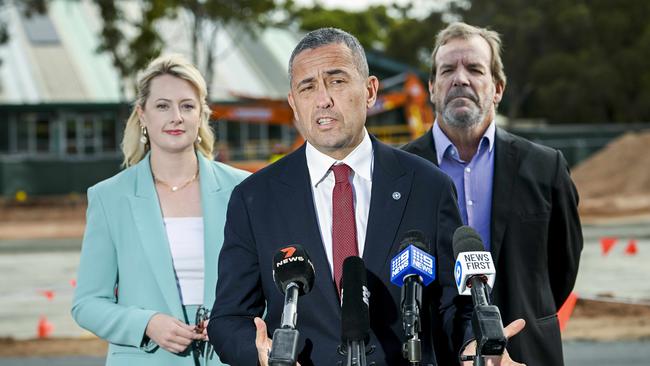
(572, 61)
(389, 29)
(131, 54)
(371, 26)
(411, 40)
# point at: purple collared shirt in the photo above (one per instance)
(473, 179)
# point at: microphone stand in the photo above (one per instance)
(356, 353)
(285, 339)
(412, 295)
(486, 322)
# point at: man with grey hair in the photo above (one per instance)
(342, 194)
(518, 195)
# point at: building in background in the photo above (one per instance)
(63, 107)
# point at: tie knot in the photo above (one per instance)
(341, 173)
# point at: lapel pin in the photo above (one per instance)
(397, 195)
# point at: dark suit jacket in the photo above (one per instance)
(275, 208)
(536, 240)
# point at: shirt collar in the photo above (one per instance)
(360, 160)
(443, 143)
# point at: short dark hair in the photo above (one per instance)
(326, 36)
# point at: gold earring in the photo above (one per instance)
(143, 136)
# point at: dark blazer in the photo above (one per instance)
(275, 208)
(536, 240)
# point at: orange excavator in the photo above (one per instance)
(402, 112)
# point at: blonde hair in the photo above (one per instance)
(465, 31)
(175, 65)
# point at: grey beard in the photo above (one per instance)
(462, 119)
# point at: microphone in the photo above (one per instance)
(412, 269)
(474, 273)
(355, 311)
(293, 274)
(471, 260)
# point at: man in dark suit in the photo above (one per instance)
(518, 195)
(293, 201)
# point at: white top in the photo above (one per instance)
(185, 237)
(322, 180)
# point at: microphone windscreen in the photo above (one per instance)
(355, 313)
(292, 264)
(415, 238)
(466, 239)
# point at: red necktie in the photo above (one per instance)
(344, 228)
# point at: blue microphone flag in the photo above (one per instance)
(412, 260)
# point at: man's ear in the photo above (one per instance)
(499, 88)
(431, 92)
(372, 86)
(292, 104)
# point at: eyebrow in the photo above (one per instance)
(170, 101)
(452, 65)
(328, 73)
(475, 64)
(305, 81)
(336, 72)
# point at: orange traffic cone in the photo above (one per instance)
(606, 244)
(45, 328)
(566, 310)
(631, 248)
(49, 294)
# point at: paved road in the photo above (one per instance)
(33, 267)
(575, 354)
(30, 268)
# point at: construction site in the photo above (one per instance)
(40, 241)
(62, 133)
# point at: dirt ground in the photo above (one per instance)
(64, 217)
(615, 181)
(591, 321)
(44, 217)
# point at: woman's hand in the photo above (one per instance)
(170, 333)
(203, 330)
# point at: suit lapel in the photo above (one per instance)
(424, 147)
(149, 222)
(293, 196)
(506, 162)
(391, 186)
(214, 199)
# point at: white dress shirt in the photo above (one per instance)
(361, 161)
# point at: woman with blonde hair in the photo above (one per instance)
(148, 263)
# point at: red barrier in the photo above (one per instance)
(606, 244)
(566, 310)
(631, 248)
(44, 328)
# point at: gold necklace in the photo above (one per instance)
(176, 188)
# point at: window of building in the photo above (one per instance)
(21, 144)
(108, 134)
(88, 134)
(71, 142)
(42, 132)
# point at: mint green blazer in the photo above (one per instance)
(126, 273)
